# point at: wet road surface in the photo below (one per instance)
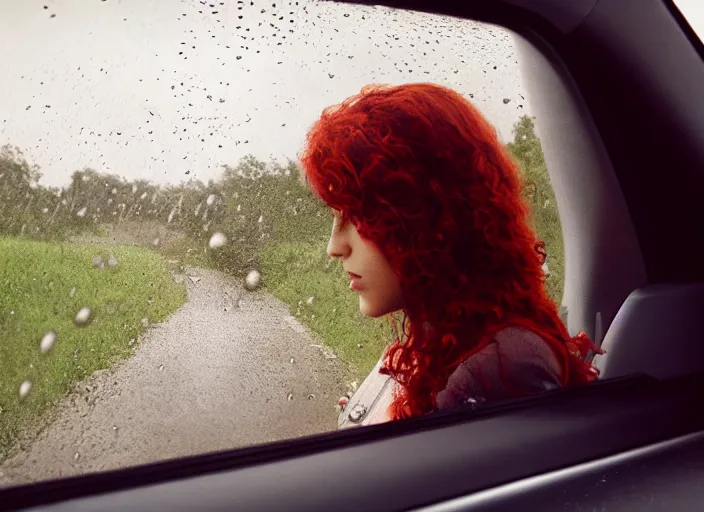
(230, 368)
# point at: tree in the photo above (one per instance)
(538, 192)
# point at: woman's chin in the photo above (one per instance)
(373, 310)
(369, 310)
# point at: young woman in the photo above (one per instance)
(429, 220)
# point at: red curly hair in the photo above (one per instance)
(422, 174)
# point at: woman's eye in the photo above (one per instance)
(339, 217)
(339, 223)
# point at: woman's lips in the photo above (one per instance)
(354, 281)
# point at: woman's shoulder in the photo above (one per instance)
(517, 362)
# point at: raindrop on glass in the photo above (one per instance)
(25, 388)
(217, 240)
(252, 281)
(83, 316)
(47, 342)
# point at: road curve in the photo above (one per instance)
(229, 369)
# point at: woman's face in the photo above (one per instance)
(371, 275)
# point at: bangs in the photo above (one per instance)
(329, 170)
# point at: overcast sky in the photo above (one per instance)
(155, 89)
(693, 10)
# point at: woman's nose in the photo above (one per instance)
(337, 248)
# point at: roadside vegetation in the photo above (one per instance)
(46, 288)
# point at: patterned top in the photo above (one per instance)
(517, 362)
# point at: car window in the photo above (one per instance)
(693, 11)
(164, 284)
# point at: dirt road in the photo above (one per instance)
(229, 369)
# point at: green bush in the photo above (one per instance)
(538, 191)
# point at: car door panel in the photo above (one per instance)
(418, 462)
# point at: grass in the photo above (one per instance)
(295, 272)
(43, 287)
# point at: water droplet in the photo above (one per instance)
(217, 240)
(83, 316)
(25, 388)
(47, 342)
(82, 211)
(252, 280)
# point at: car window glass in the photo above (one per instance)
(693, 11)
(164, 284)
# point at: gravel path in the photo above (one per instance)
(230, 368)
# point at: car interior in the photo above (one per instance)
(617, 85)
